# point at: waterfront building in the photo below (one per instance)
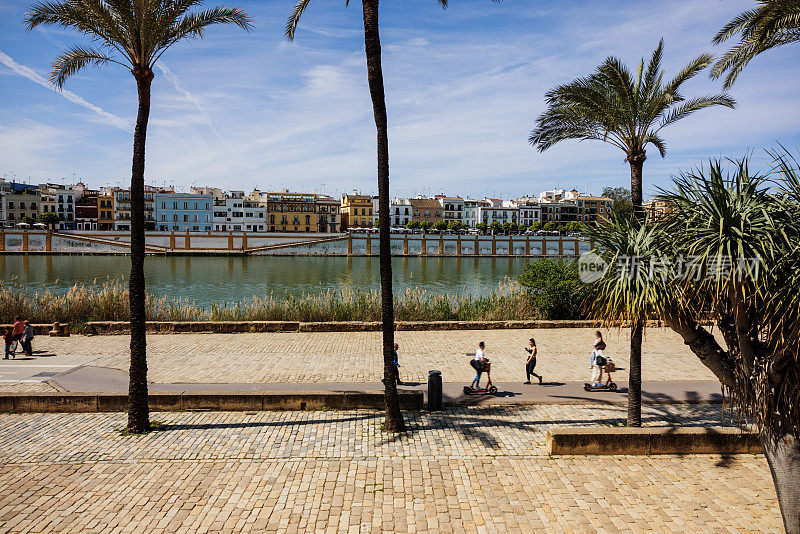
(18, 201)
(529, 210)
(356, 211)
(592, 209)
(470, 213)
(183, 212)
(400, 212)
(59, 199)
(492, 210)
(86, 207)
(105, 210)
(292, 212)
(452, 208)
(122, 209)
(327, 214)
(425, 209)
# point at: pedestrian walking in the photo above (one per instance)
(27, 339)
(8, 339)
(530, 363)
(396, 365)
(18, 328)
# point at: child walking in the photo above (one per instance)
(8, 338)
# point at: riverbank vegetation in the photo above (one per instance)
(109, 302)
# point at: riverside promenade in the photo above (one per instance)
(469, 468)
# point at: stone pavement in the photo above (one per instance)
(467, 469)
(355, 356)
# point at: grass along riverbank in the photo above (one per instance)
(109, 302)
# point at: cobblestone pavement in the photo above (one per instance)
(468, 469)
(355, 356)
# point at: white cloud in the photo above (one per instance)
(35, 77)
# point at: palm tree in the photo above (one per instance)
(629, 112)
(773, 23)
(372, 46)
(133, 34)
(739, 232)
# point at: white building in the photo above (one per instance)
(492, 210)
(59, 199)
(401, 212)
(375, 209)
(229, 212)
(470, 214)
(529, 210)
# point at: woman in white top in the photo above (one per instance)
(477, 364)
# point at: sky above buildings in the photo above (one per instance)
(463, 87)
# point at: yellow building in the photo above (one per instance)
(356, 211)
(592, 210)
(105, 211)
(290, 212)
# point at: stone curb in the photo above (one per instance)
(223, 327)
(107, 402)
(652, 440)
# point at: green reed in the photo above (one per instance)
(109, 302)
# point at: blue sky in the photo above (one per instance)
(464, 87)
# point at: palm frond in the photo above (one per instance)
(688, 107)
(294, 18)
(75, 59)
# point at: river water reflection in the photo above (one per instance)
(206, 279)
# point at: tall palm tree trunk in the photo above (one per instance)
(138, 409)
(372, 42)
(783, 457)
(635, 364)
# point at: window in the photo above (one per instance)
(11, 204)
(195, 205)
(308, 219)
(194, 218)
(174, 217)
(185, 217)
(163, 205)
(186, 205)
(22, 205)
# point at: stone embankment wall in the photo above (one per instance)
(99, 242)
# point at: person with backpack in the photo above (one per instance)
(597, 360)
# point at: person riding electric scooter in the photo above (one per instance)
(481, 365)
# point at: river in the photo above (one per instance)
(204, 279)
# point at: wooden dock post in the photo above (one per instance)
(230, 240)
(25, 241)
(349, 244)
(48, 241)
(405, 245)
(494, 245)
(172, 240)
(544, 246)
(441, 245)
(187, 243)
(510, 245)
(477, 250)
(424, 250)
(527, 245)
(369, 243)
(458, 245)
(2, 240)
(244, 242)
(560, 246)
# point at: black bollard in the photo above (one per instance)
(434, 391)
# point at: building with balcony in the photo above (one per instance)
(292, 212)
(452, 208)
(86, 208)
(122, 209)
(400, 209)
(356, 211)
(182, 212)
(59, 199)
(425, 209)
(328, 218)
(18, 201)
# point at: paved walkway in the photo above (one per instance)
(468, 469)
(307, 358)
